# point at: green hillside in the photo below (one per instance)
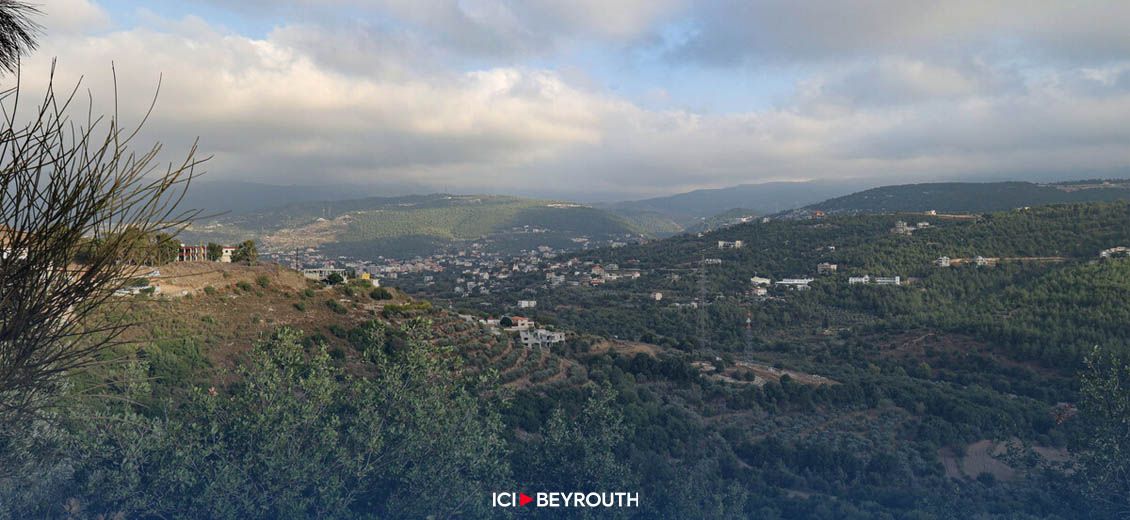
(970, 197)
(413, 225)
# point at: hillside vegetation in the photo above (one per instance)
(405, 226)
(970, 197)
(842, 401)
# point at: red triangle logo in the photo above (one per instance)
(524, 499)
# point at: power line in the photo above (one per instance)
(702, 304)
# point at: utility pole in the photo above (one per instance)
(748, 331)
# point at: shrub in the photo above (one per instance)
(243, 286)
(300, 306)
(263, 280)
(336, 306)
(338, 330)
(380, 293)
(209, 290)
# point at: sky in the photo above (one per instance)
(605, 99)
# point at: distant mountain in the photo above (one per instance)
(971, 197)
(417, 225)
(688, 210)
(241, 197)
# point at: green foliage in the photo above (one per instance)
(337, 307)
(209, 290)
(294, 438)
(380, 293)
(1104, 444)
(246, 253)
(589, 442)
(215, 252)
(243, 286)
(263, 281)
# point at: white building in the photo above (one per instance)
(893, 280)
(657, 296)
(540, 338)
(799, 284)
(902, 228)
(1115, 251)
(737, 244)
(859, 280)
(757, 280)
(527, 304)
(943, 261)
(827, 268)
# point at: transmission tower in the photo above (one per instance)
(702, 304)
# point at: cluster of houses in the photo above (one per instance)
(528, 332)
(322, 274)
(875, 280)
(979, 261)
(761, 285)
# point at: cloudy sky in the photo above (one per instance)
(607, 98)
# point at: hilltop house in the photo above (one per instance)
(323, 273)
(199, 253)
(737, 244)
(943, 261)
(827, 268)
(527, 304)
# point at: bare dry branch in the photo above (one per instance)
(75, 199)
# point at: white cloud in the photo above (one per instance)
(73, 16)
(367, 101)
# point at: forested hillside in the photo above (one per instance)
(974, 197)
(892, 398)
